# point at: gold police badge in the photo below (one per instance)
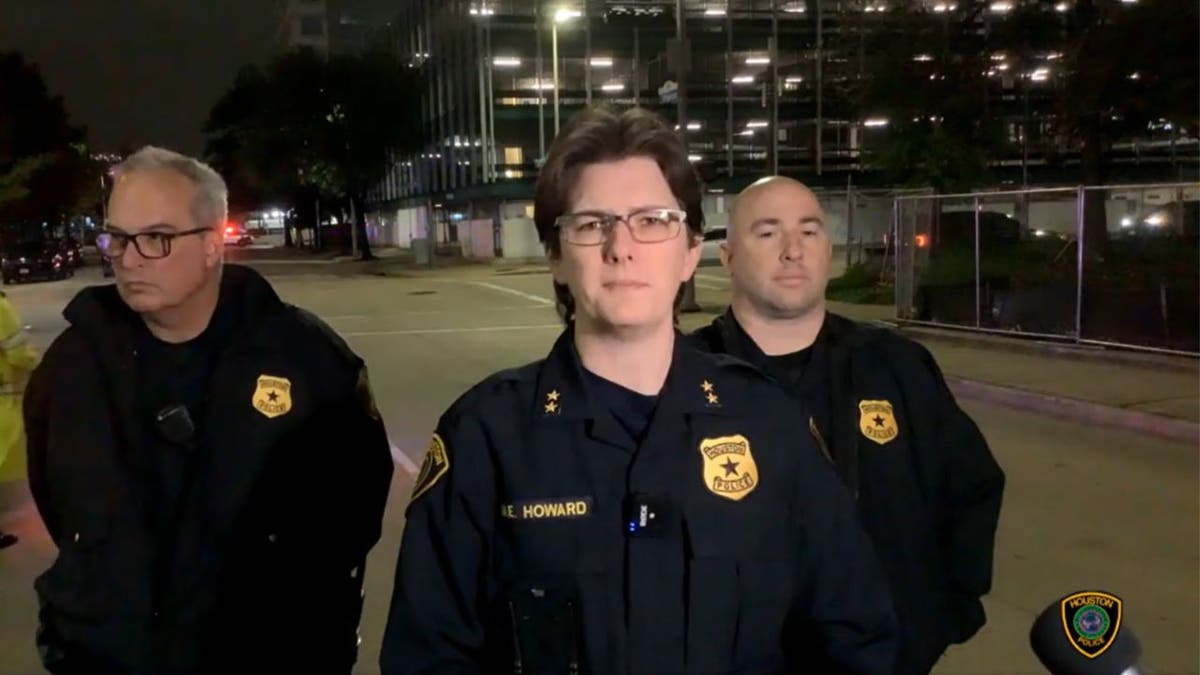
(876, 421)
(436, 464)
(729, 469)
(273, 395)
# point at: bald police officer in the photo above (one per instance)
(923, 478)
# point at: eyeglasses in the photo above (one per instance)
(648, 226)
(150, 245)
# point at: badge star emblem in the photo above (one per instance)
(730, 467)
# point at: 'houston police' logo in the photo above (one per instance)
(1091, 620)
(272, 396)
(876, 421)
(436, 464)
(729, 469)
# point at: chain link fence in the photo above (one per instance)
(1113, 265)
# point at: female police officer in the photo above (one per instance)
(630, 504)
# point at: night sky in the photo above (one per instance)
(140, 71)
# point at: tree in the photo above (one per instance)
(929, 85)
(45, 172)
(307, 125)
(1124, 68)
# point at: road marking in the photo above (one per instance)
(497, 308)
(707, 285)
(433, 331)
(512, 291)
(402, 459)
(712, 277)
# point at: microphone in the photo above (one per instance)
(1083, 634)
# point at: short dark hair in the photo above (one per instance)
(600, 134)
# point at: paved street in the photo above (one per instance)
(1085, 508)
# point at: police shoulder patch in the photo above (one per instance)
(436, 464)
(365, 395)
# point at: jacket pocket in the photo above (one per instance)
(77, 585)
(739, 598)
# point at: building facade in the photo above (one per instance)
(768, 87)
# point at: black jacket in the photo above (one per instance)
(927, 486)
(541, 536)
(290, 476)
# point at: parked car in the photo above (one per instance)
(32, 260)
(71, 252)
(710, 250)
(236, 236)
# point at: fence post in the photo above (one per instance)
(977, 298)
(1079, 200)
(896, 256)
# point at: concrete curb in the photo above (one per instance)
(1075, 410)
(1037, 347)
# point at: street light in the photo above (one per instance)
(561, 15)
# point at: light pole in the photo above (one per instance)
(561, 15)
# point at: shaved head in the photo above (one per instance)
(737, 213)
(777, 251)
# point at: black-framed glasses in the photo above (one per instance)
(150, 245)
(648, 226)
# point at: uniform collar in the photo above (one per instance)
(100, 313)
(693, 384)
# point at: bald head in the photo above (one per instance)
(773, 189)
(777, 250)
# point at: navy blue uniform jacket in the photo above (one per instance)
(541, 539)
(263, 569)
(927, 486)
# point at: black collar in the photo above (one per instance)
(100, 314)
(692, 385)
(737, 342)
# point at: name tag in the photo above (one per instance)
(547, 509)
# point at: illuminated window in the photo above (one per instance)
(514, 155)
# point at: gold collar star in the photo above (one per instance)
(706, 386)
(552, 406)
(712, 399)
(710, 394)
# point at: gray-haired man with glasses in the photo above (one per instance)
(177, 432)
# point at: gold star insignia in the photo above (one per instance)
(706, 386)
(712, 398)
(551, 407)
(552, 396)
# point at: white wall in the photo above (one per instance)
(519, 239)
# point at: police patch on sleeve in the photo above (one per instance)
(729, 468)
(436, 464)
(876, 421)
(365, 395)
